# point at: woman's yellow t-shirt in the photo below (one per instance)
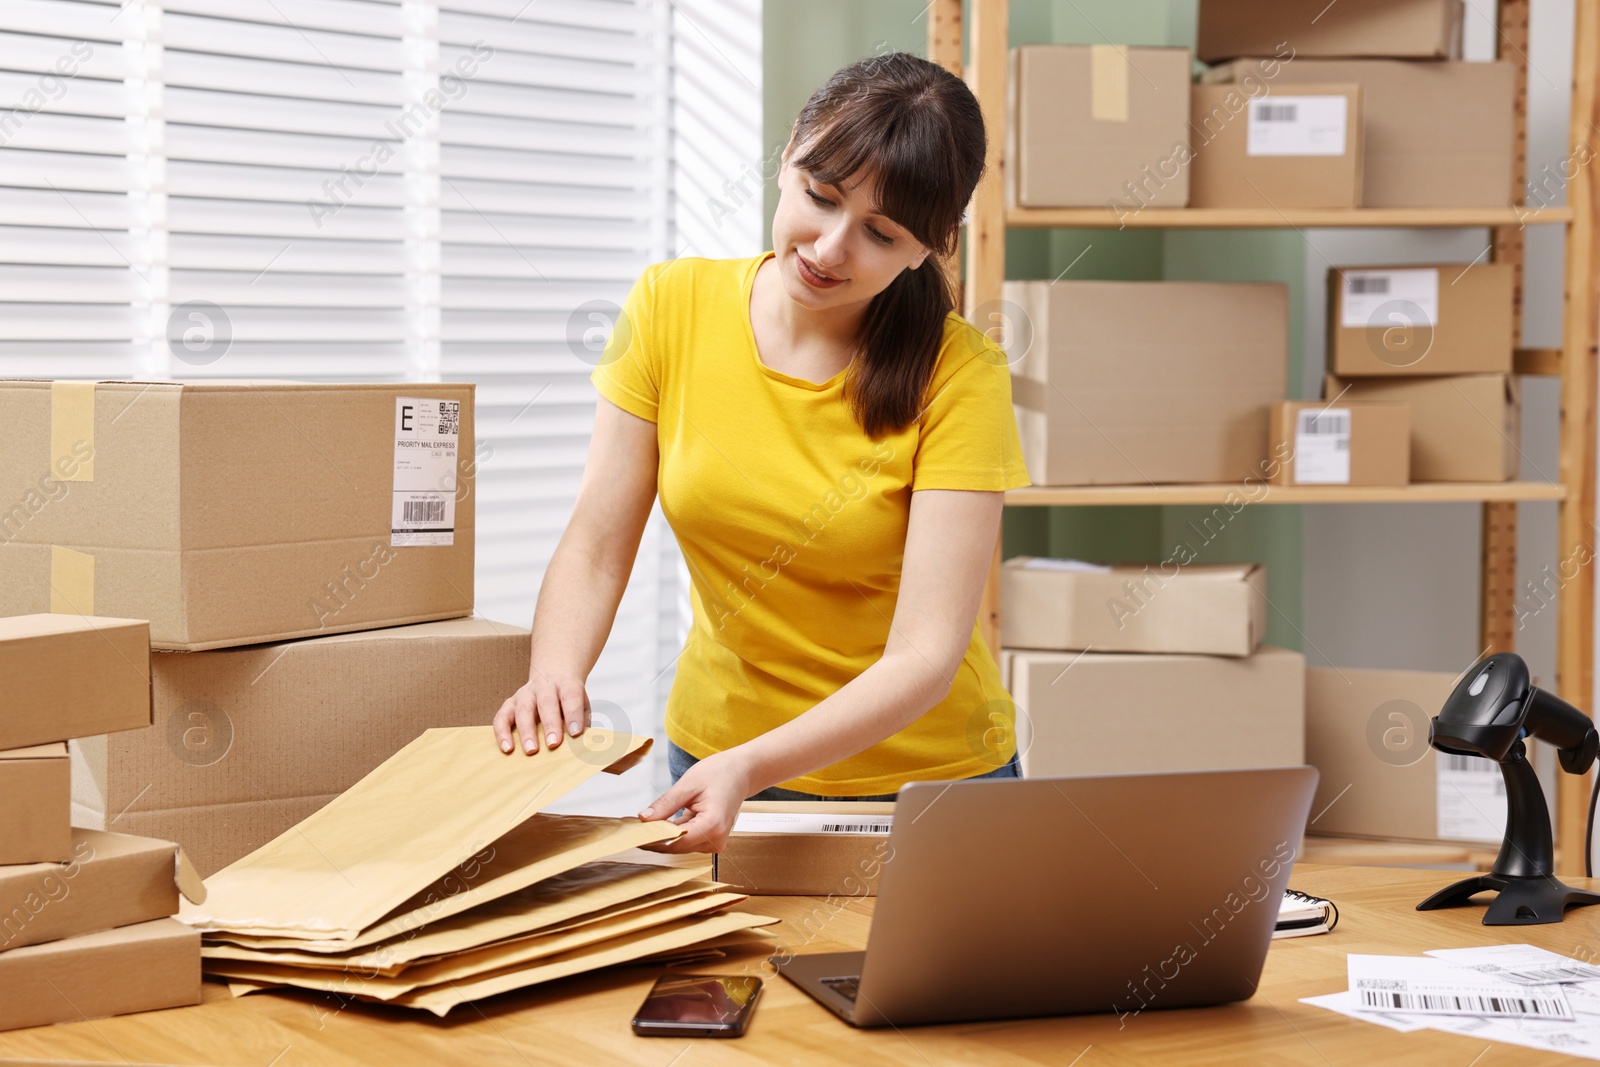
(793, 522)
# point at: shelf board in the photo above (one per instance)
(1268, 218)
(1261, 493)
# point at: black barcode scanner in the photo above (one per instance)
(1491, 710)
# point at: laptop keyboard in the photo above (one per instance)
(846, 987)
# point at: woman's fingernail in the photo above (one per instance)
(550, 737)
(572, 728)
(647, 812)
(528, 747)
(505, 746)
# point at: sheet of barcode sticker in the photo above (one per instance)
(1322, 446)
(1297, 126)
(1428, 985)
(1523, 964)
(787, 822)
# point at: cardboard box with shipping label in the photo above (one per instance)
(233, 513)
(249, 741)
(143, 967)
(108, 880)
(35, 805)
(1111, 713)
(68, 676)
(1399, 29)
(1367, 732)
(1464, 428)
(1434, 319)
(1437, 134)
(809, 848)
(1295, 147)
(1337, 443)
(1065, 605)
(1097, 124)
(1127, 383)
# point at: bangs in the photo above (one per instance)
(903, 153)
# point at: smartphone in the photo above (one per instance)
(698, 1005)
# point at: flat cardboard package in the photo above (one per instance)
(144, 967)
(238, 512)
(1340, 443)
(1299, 147)
(1437, 134)
(1453, 318)
(72, 676)
(1125, 383)
(1399, 29)
(809, 848)
(248, 742)
(109, 880)
(1111, 713)
(35, 805)
(1367, 732)
(1464, 428)
(1066, 605)
(1098, 124)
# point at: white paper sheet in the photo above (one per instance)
(1423, 985)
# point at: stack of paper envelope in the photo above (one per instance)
(435, 881)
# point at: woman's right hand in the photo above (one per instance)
(548, 706)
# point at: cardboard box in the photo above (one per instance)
(1437, 134)
(71, 676)
(1453, 318)
(1110, 713)
(35, 805)
(1125, 383)
(1341, 444)
(248, 742)
(790, 849)
(133, 968)
(1098, 124)
(1065, 605)
(1301, 146)
(238, 512)
(1401, 29)
(108, 880)
(1367, 732)
(1465, 428)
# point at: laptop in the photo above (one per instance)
(1006, 898)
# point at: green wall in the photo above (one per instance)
(805, 43)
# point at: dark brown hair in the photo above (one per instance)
(917, 130)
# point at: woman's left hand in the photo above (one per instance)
(712, 791)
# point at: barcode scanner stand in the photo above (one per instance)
(1488, 714)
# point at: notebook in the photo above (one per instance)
(1301, 914)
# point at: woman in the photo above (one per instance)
(830, 442)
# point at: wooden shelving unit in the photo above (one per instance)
(1574, 362)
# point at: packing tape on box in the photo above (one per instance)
(72, 431)
(71, 582)
(1108, 82)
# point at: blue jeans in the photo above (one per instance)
(679, 761)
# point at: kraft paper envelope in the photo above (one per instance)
(553, 905)
(427, 809)
(543, 847)
(477, 962)
(440, 999)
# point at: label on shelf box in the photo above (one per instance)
(426, 433)
(1364, 294)
(1297, 126)
(789, 822)
(1471, 797)
(1322, 446)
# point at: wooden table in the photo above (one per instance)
(585, 1021)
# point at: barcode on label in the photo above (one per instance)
(1325, 422)
(1463, 1003)
(1551, 975)
(1453, 761)
(450, 417)
(1366, 284)
(1277, 112)
(422, 511)
(853, 828)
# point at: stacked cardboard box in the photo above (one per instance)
(85, 916)
(1145, 668)
(1439, 339)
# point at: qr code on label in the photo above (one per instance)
(449, 416)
